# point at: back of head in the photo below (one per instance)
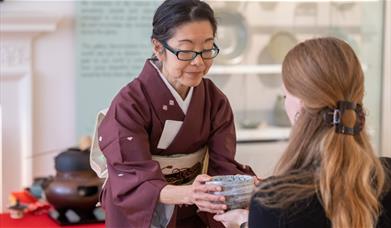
(323, 71)
(173, 13)
(341, 168)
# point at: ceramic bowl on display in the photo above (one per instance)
(280, 118)
(249, 118)
(279, 45)
(232, 36)
(274, 53)
(237, 189)
(249, 123)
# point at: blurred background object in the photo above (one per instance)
(232, 36)
(74, 191)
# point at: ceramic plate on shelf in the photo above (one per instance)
(280, 43)
(274, 53)
(232, 36)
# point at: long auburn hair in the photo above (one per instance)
(342, 170)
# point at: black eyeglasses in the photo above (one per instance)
(186, 55)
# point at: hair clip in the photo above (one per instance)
(332, 117)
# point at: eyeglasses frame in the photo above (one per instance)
(176, 52)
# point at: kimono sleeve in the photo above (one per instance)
(222, 142)
(135, 180)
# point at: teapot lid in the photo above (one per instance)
(72, 159)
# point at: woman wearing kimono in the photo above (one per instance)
(167, 127)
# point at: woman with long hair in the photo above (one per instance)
(329, 175)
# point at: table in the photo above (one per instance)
(42, 221)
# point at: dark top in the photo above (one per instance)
(307, 213)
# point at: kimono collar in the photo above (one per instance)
(162, 100)
(183, 103)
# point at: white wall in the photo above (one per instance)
(49, 64)
(54, 92)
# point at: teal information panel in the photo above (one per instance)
(112, 44)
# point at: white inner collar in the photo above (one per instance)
(183, 103)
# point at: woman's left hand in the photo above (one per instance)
(233, 218)
(257, 180)
(201, 195)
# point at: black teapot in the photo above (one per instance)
(75, 185)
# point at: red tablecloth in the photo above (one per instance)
(42, 221)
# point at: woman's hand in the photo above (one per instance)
(200, 195)
(233, 218)
(257, 180)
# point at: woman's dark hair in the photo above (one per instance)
(173, 13)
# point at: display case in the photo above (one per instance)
(254, 37)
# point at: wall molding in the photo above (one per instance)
(19, 30)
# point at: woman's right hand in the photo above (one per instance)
(201, 195)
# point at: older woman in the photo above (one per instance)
(167, 127)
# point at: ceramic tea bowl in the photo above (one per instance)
(236, 189)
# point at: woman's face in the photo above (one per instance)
(192, 36)
(293, 105)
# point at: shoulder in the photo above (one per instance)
(261, 216)
(304, 213)
(131, 92)
(130, 102)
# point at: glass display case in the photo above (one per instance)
(254, 38)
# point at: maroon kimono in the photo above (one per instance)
(129, 135)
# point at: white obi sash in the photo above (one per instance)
(178, 169)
